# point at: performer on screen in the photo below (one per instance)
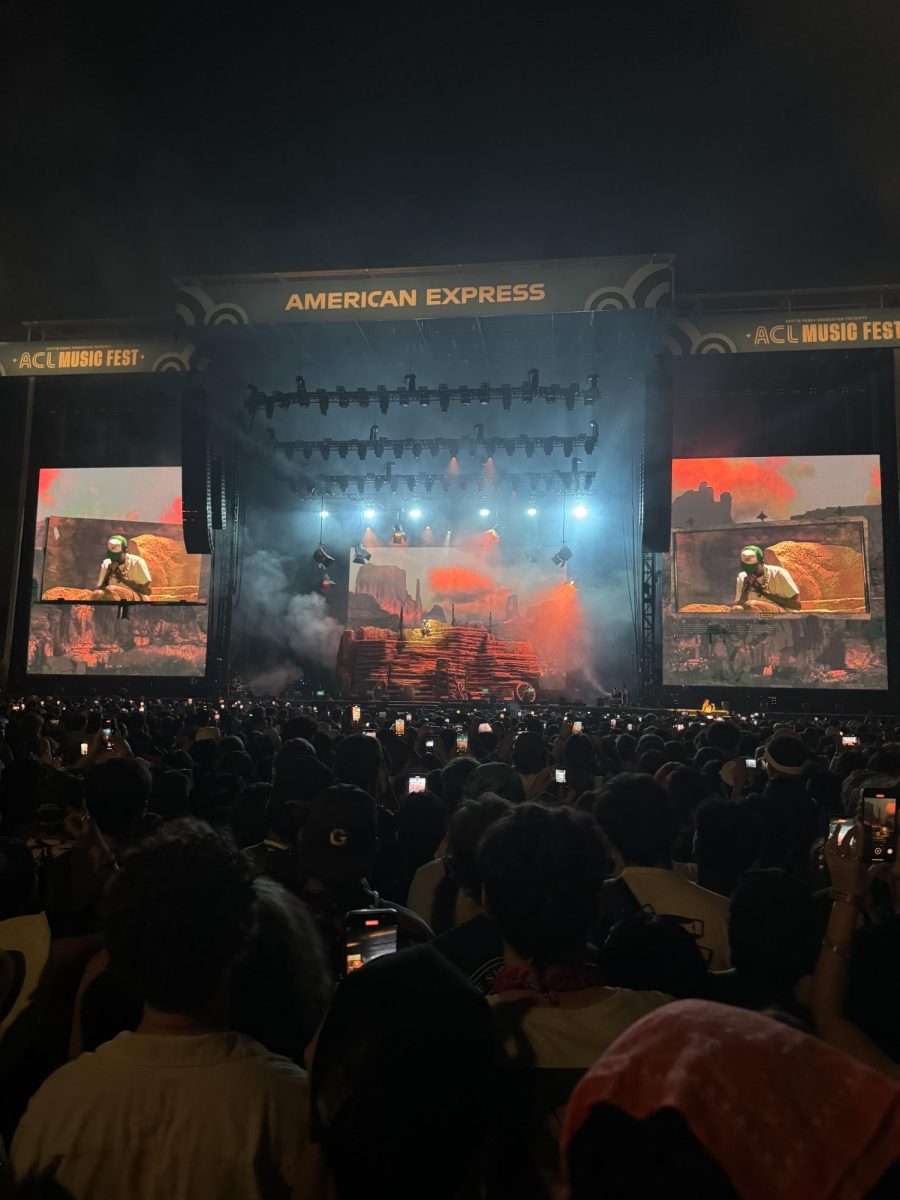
(123, 576)
(762, 587)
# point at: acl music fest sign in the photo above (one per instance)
(113, 357)
(740, 333)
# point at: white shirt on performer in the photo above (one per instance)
(132, 569)
(775, 580)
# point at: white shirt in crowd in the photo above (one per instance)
(169, 1117)
(703, 913)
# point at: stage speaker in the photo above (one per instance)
(217, 502)
(656, 460)
(196, 499)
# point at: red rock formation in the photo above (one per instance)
(827, 575)
(387, 584)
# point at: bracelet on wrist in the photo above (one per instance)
(854, 898)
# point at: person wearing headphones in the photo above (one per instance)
(762, 587)
(123, 576)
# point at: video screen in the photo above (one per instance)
(457, 622)
(776, 573)
(106, 538)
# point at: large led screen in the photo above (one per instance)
(776, 573)
(114, 591)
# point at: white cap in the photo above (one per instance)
(748, 556)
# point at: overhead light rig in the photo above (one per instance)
(569, 483)
(411, 393)
(376, 445)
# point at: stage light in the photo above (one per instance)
(531, 512)
(579, 511)
(327, 583)
(369, 513)
(361, 554)
(484, 512)
(562, 556)
(322, 557)
(415, 513)
(270, 408)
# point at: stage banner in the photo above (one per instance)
(120, 356)
(741, 333)
(483, 290)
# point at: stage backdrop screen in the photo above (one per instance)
(776, 573)
(438, 622)
(76, 626)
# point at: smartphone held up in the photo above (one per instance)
(370, 933)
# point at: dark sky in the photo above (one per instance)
(758, 141)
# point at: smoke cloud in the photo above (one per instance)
(298, 626)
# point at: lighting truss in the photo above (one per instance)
(361, 447)
(419, 486)
(412, 393)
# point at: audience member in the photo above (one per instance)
(181, 1106)
(634, 813)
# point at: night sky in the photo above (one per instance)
(757, 141)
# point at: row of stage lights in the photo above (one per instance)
(400, 537)
(398, 446)
(443, 395)
(571, 482)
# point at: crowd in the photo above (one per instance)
(250, 949)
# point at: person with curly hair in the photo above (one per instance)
(182, 1106)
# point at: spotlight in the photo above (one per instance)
(369, 513)
(327, 583)
(322, 558)
(484, 512)
(415, 513)
(579, 511)
(324, 513)
(270, 408)
(531, 512)
(484, 394)
(361, 554)
(506, 397)
(562, 556)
